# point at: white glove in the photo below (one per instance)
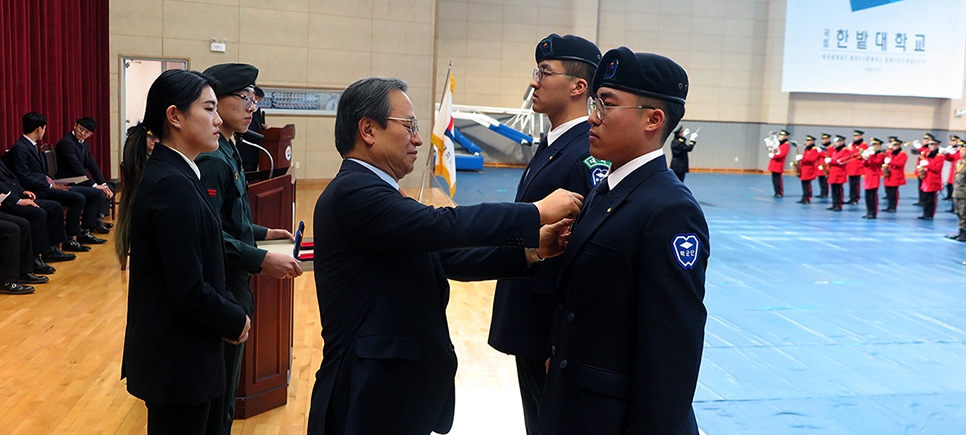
(888, 159)
(694, 137)
(771, 155)
(687, 131)
(828, 160)
(798, 157)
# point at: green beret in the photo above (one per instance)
(232, 77)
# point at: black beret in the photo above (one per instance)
(826, 136)
(646, 74)
(568, 47)
(809, 137)
(784, 132)
(232, 77)
(858, 133)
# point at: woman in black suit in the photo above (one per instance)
(178, 308)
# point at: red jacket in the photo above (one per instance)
(873, 170)
(809, 164)
(836, 173)
(897, 169)
(854, 167)
(934, 181)
(777, 163)
(952, 171)
(821, 161)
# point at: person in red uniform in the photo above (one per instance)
(872, 160)
(776, 164)
(952, 155)
(854, 168)
(921, 150)
(823, 152)
(809, 168)
(932, 181)
(836, 175)
(895, 160)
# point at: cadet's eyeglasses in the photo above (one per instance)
(540, 73)
(596, 106)
(248, 99)
(412, 126)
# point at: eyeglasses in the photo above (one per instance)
(412, 126)
(596, 106)
(540, 73)
(248, 99)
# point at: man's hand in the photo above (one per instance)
(108, 193)
(554, 238)
(59, 186)
(558, 205)
(29, 194)
(27, 202)
(279, 233)
(244, 335)
(281, 266)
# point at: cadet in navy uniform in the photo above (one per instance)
(629, 330)
(680, 147)
(523, 308)
(381, 266)
(227, 187)
(74, 159)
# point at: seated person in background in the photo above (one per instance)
(46, 218)
(30, 166)
(16, 265)
(74, 159)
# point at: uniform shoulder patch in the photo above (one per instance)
(598, 169)
(686, 248)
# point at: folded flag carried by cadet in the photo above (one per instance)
(443, 136)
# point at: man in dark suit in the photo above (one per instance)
(523, 308)
(222, 175)
(74, 159)
(30, 166)
(381, 265)
(46, 219)
(629, 329)
(16, 264)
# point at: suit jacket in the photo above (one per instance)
(680, 147)
(29, 165)
(629, 329)
(74, 159)
(388, 364)
(178, 309)
(227, 191)
(523, 308)
(9, 183)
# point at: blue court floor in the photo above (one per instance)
(819, 322)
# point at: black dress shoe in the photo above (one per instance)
(871, 216)
(917, 204)
(865, 217)
(14, 288)
(56, 255)
(101, 229)
(925, 218)
(74, 246)
(29, 278)
(89, 239)
(837, 208)
(107, 225)
(890, 210)
(853, 203)
(42, 268)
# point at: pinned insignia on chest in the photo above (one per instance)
(598, 169)
(686, 247)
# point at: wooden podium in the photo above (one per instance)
(268, 351)
(278, 142)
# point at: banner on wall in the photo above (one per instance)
(912, 48)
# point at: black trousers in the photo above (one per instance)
(532, 375)
(836, 195)
(776, 183)
(806, 190)
(822, 185)
(74, 202)
(233, 363)
(680, 175)
(929, 204)
(46, 223)
(949, 192)
(892, 197)
(854, 187)
(922, 195)
(872, 201)
(177, 419)
(16, 256)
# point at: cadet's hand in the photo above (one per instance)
(558, 205)
(281, 266)
(108, 193)
(554, 238)
(244, 335)
(27, 202)
(279, 233)
(29, 194)
(59, 186)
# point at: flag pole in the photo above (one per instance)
(431, 161)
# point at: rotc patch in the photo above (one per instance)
(611, 69)
(686, 248)
(598, 169)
